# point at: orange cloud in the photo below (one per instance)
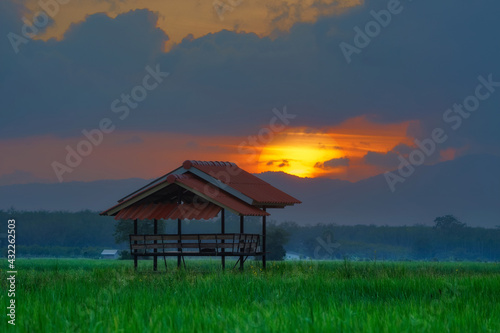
(180, 19)
(335, 152)
(447, 154)
(120, 155)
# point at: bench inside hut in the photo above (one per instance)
(196, 245)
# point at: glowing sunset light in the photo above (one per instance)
(335, 152)
(298, 153)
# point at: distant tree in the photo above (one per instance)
(448, 222)
(276, 238)
(125, 255)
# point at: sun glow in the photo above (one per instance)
(333, 152)
(299, 153)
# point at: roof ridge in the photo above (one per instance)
(187, 164)
(172, 178)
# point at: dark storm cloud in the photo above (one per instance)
(279, 163)
(333, 163)
(390, 159)
(426, 59)
(387, 160)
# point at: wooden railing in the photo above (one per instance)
(195, 245)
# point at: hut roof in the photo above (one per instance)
(198, 190)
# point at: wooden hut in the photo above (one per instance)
(201, 190)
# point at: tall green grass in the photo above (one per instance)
(108, 296)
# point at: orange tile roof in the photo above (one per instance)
(252, 186)
(203, 188)
(223, 184)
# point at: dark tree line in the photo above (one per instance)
(449, 239)
(81, 229)
(86, 233)
(65, 234)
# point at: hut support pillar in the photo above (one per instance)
(155, 258)
(179, 232)
(242, 230)
(223, 231)
(264, 241)
(179, 228)
(135, 242)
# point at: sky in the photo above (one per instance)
(114, 89)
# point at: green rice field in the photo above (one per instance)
(79, 295)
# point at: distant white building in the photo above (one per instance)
(110, 254)
(292, 256)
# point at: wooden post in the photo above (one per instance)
(223, 231)
(179, 233)
(155, 258)
(135, 242)
(179, 228)
(242, 230)
(264, 241)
